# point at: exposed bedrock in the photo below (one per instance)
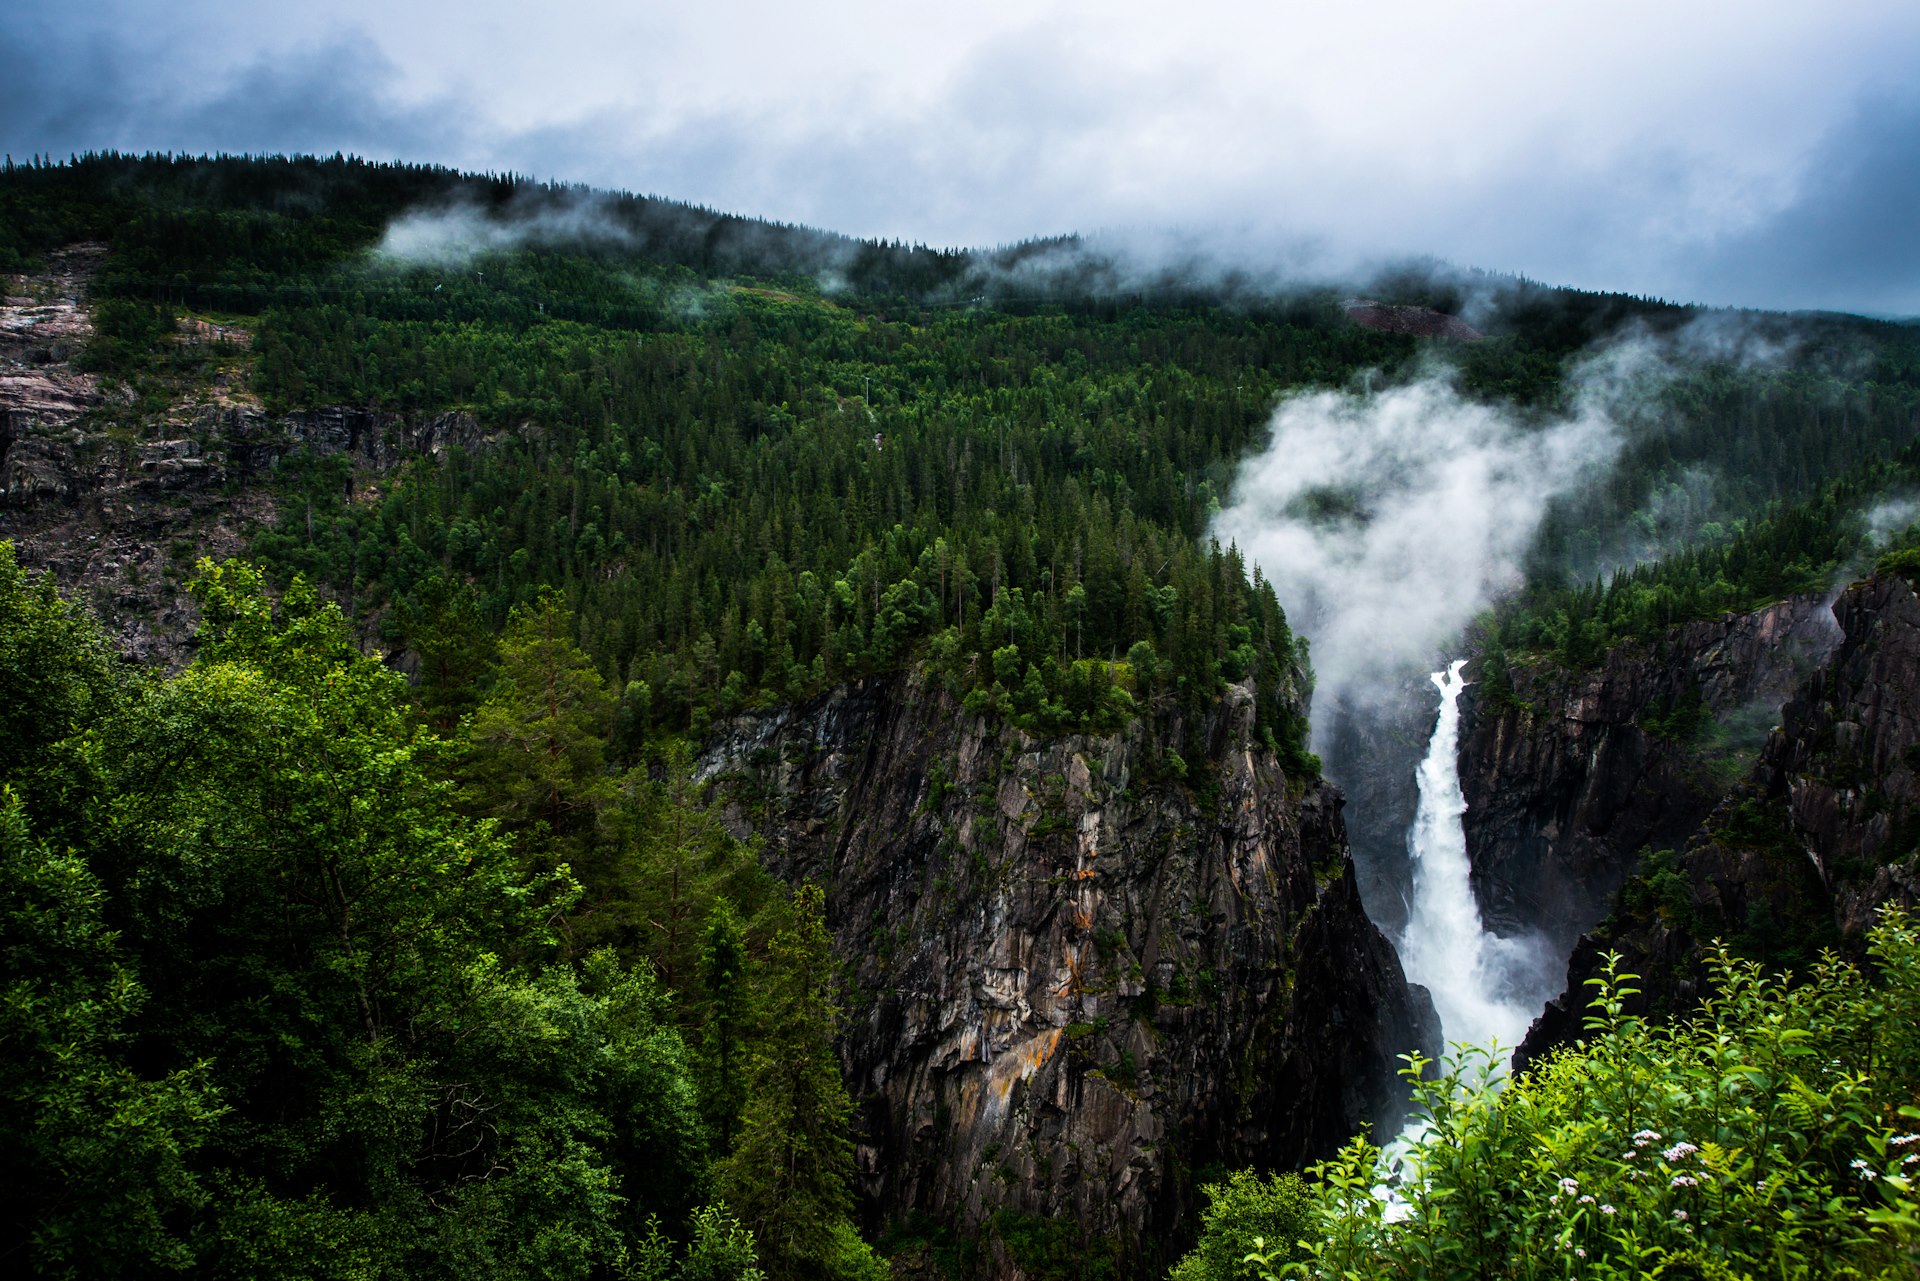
(1801, 853)
(1075, 982)
(1568, 782)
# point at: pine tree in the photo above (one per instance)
(723, 973)
(540, 737)
(788, 1175)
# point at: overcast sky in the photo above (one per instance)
(1728, 152)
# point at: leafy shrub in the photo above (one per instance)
(1774, 1134)
(1243, 1215)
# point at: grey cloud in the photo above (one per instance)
(1024, 133)
(1852, 237)
(66, 90)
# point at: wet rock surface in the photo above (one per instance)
(1569, 781)
(1075, 983)
(1801, 854)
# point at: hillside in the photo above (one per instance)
(817, 658)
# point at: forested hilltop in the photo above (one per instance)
(757, 459)
(389, 928)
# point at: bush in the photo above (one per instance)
(1245, 1214)
(1774, 1134)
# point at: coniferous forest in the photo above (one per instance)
(393, 932)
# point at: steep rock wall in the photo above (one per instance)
(1075, 982)
(1567, 783)
(1847, 758)
(1802, 853)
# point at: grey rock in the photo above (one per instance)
(1074, 983)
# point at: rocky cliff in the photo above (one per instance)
(1800, 854)
(1076, 981)
(1571, 778)
(118, 498)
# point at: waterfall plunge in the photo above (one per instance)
(1485, 988)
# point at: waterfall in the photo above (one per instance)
(1485, 988)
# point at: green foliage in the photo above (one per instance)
(275, 1007)
(1680, 719)
(720, 1250)
(1245, 1214)
(96, 1171)
(1051, 1249)
(788, 1173)
(442, 623)
(724, 975)
(1905, 561)
(1774, 1134)
(539, 738)
(1784, 550)
(56, 669)
(1661, 886)
(125, 332)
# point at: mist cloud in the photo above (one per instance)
(454, 235)
(1385, 521)
(1891, 516)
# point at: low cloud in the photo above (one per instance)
(1892, 516)
(1744, 157)
(456, 234)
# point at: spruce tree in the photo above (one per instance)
(787, 1177)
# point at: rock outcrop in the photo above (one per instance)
(1076, 982)
(118, 504)
(1846, 761)
(1801, 854)
(1421, 322)
(1569, 780)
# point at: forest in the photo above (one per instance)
(393, 937)
(282, 1002)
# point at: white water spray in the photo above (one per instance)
(1483, 986)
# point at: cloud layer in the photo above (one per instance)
(1714, 151)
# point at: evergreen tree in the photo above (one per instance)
(724, 975)
(539, 739)
(788, 1175)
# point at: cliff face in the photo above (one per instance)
(1075, 983)
(1568, 783)
(118, 504)
(1799, 855)
(1845, 761)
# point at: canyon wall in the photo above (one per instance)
(1076, 983)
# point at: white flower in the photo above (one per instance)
(1679, 1152)
(1587, 1200)
(1643, 1137)
(1901, 1140)
(1685, 1181)
(1580, 1250)
(1680, 1215)
(1569, 1185)
(1607, 1209)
